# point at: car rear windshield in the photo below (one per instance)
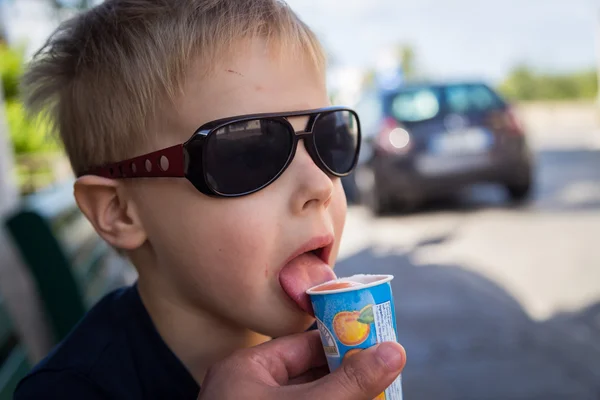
(416, 104)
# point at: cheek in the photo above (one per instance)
(338, 205)
(337, 210)
(229, 248)
(214, 248)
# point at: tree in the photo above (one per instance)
(369, 78)
(525, 84)
(407, 58)
(27, 133)
(8, 188)
(3, 27)
(520, 84)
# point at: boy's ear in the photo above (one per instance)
(111, 212)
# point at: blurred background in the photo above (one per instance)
(478, 188)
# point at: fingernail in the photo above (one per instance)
(391, 355)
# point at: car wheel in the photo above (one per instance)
(378, 203)
(406, 206)
(371, 194)
(519, 193)
(521, 190)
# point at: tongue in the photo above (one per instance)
(302, 273)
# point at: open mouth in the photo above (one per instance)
(322, 253)
(305, 268)
(320, 246)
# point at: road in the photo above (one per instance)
(546, 254)
(493, 301)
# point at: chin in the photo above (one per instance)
(288, 325)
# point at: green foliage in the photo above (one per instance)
(406, 57)
(524, 84)
(408, 60)
(11, 69)
(28, 135)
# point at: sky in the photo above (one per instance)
(460, 38)
(452, 38)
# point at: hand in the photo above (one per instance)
(295, 368)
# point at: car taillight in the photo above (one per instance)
(514, 125)
(393, 138)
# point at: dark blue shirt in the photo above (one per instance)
(114, 353)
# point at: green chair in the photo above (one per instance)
(66, 258)
(13, 358)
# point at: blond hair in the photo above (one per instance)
(103, 73)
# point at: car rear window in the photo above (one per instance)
(413, 105)
(424, 103)
(471, 98)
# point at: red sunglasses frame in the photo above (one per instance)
(175, 161)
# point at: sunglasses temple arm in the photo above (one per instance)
(165, 163)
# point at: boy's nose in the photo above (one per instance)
(312, 186)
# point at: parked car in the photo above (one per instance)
(426, 140)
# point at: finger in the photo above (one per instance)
(309, 376)
(291, 356)
(363, 376)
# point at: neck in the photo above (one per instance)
(199, 339)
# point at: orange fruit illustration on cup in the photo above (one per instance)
(352, 352)
(353, 327)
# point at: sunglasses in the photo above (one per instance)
(241, 155)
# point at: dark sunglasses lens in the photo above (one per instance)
(245, 156)
(336, 136)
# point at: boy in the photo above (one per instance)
(228, 228)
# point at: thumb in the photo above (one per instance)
(364, 375)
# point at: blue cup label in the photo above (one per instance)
(355, 319)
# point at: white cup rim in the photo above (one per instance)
(366, 280)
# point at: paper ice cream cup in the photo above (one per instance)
(353, 314)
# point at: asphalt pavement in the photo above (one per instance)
(494, 301)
